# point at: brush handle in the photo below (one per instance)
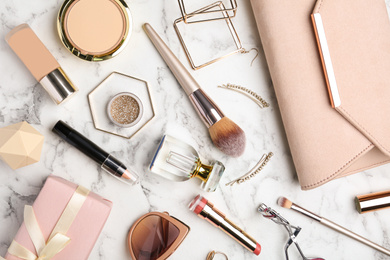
(305, 212)
(185, 79)
(204, 105)
(339, 228)
(353, 235)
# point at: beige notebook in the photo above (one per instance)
(352, 59)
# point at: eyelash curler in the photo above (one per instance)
(293, 231)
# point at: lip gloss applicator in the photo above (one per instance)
(206, 210)
(108, 162)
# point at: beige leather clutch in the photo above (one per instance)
(352, 60)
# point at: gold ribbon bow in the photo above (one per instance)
(57, 240)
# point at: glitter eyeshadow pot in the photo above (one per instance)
(125, 109)
(94, 30)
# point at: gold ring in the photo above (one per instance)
(212, 254)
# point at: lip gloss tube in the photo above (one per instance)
(41, 63)
(107, 162)
(206, 210)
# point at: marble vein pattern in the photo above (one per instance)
(22, 98)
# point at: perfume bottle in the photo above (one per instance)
(178, 161)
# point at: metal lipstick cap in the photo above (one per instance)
(373, 201)
(58, 85)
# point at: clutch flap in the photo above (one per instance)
(353, 37)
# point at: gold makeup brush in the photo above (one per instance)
(285, 203)
(225, 134)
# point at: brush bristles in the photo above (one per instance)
(228, 137)
(285, 203)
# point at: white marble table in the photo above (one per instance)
(22, 98)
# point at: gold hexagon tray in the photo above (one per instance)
(116, 83)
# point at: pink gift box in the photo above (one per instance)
(84, 230)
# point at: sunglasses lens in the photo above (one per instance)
(152, 237)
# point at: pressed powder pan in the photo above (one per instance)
(94, 30)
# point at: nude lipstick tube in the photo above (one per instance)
(41, 63)
(206, 210)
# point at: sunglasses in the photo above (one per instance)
(155, 236)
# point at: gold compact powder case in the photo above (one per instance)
(94, 30)
(125, 109)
